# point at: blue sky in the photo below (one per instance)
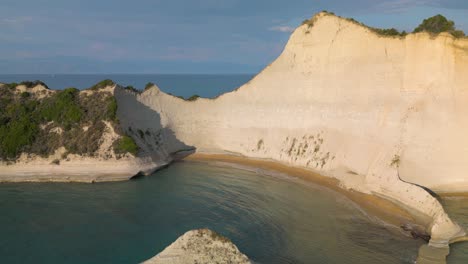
(179, 36)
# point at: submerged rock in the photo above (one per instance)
(200, 246)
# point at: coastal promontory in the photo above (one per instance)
(381, 113)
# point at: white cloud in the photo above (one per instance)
(282, 29)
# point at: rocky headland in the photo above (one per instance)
(378, 113)
(79, 136)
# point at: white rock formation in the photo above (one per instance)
(380, 114)
(201, 246)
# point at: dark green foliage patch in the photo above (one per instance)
(149, 85)
(102, 84)
(126, 144)
(193, 97)
(434, 25)
(62, 108)
(438, 24)
(42, 125)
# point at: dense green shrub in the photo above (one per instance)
(16, 135)
(149, 85)
(102, 84)
(25, 127)
(11, 85)
(389, 32)
(438, 24)
(126, 144)
(17, 129)
(62, 108)
(433, 25)
(32, 84)
(392, 32)
(112, 109)
(132, 89)
(458, 33)
(308, 22)
(193, 97)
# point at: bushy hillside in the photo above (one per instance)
(36, 120)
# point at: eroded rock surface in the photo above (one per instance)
(383, 115)
(200, 246)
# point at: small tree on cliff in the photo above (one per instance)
(438, 24)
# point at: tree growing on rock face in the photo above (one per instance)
(438, 24)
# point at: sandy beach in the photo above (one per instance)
(383, 209)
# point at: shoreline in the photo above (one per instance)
(78, 171)
(373, 205)
(386, 210)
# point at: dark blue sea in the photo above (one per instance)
(186, 85)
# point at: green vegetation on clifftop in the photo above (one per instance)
(434, 25)
(193, 97)
(67, 118)
(438, 24)
(62, 107)
(149, 85)
(102, 84)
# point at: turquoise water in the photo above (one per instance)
(205, 85)
(271, 219)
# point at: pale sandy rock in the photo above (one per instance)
(57, 130)
(377, 113)
(201, 246)
(106, 143)
(44, 126)
(38, 91)
(89, 92)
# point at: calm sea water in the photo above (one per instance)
(272, 220)
(182, 85)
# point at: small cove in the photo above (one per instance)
(270, 219)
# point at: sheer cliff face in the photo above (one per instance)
(372, 111)
(341, 96)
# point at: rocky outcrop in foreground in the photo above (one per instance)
(200, 246)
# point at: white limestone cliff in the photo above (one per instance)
(381, 114)
(201, 246)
